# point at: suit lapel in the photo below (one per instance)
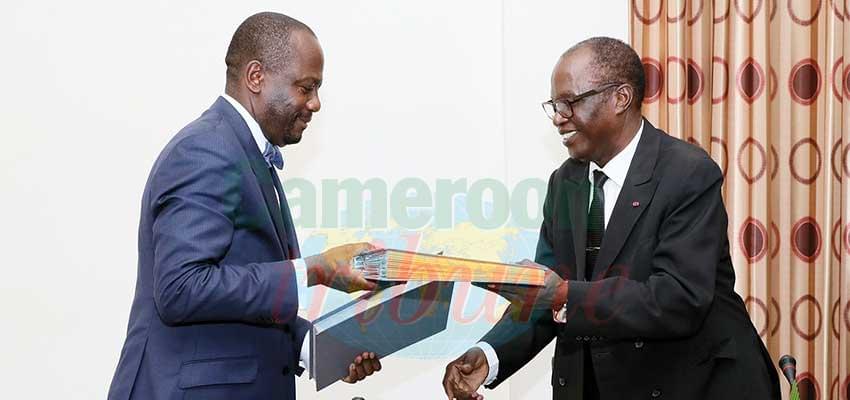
(265, 176)
(291, 242)
(634, 198)
(258, 166)
(291, 236)
(579, 192)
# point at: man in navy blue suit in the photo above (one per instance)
(215, 309)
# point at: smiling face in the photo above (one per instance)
(589, 134)
(288, 98)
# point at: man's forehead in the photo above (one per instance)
(307, 58)
(305, 45)
(570, 77)
(567, 81)
(301, 39)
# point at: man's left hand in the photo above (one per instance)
(552, 295)
(364, 365)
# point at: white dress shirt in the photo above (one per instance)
(616, 170)
(298, 264)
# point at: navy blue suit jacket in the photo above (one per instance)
(215, 309)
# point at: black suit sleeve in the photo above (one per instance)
(676, 297)
(517, 338)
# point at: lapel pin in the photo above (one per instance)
(635, 203)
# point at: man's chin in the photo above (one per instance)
(577, 155)
(293, 137)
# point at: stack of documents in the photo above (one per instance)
(411, 304)
(397, 265)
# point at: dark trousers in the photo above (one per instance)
(591, 391)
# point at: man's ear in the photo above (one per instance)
(254, 75)
(624, 96)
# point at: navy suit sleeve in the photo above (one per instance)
(302, 329)
(195, 198)
(675, 299)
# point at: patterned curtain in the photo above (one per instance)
(761, 85)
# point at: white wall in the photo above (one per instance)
(93, 89)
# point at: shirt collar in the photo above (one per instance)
(256, 131)
(618, 167)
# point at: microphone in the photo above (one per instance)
(788, 365)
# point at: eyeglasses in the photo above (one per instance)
(565, 107)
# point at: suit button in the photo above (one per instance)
(562, 381)
(656, 393)
(285, 370)
(638, 344)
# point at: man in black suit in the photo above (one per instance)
(642, 300)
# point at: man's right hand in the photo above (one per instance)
(332, 268)
(465, 375)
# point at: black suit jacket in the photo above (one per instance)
(659, 311)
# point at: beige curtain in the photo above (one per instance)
(763, 86)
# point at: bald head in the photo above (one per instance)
(264, 37)
(612, 60)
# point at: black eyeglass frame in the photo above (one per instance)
(560, 106)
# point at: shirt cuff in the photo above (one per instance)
(300, 268)
(492, 361)
(300, 276)
(304, 358)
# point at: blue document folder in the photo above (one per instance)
(383, 322)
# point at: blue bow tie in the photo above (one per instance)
(273, 156)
